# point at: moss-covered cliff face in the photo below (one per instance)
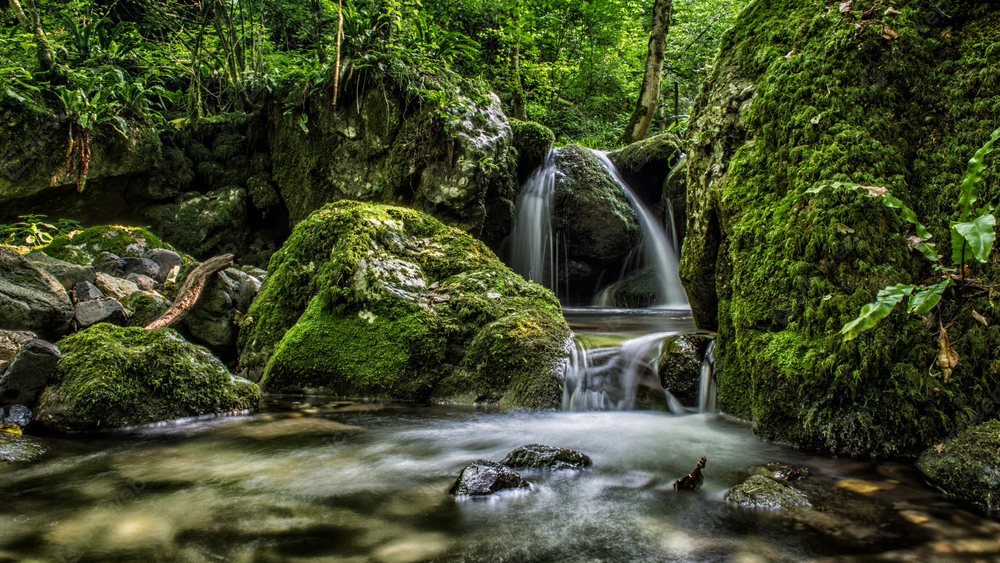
(367, 300)
(799, 97)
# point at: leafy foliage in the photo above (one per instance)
(33, 232)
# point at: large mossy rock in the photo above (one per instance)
(30, 298)
(110, 377)
(532, 141)
(794, 101)
(596, 223)
(366, 300)
(968, 465)
(645, 164)
(82, 247)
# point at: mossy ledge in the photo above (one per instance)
(112, 377)
(372, 300)
(794, 100)
(80, 247)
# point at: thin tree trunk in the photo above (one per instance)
(649, 92)
(33, 23)
(519, 112)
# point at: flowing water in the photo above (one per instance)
(340, 481)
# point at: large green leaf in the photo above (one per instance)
(970, 184)
(927, 297)
(887, 199)
(872, 313)
(973, 239)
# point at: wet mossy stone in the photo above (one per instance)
(111, 377)
(20, 448)
(532, 141)
(763, 492)
(81, 247)
(372, 300)
(204, 225)
(968, 465)
(483, 477)
(781, 471)
(645, 165)
(145, 307)
(795, 101)
(537, 456)
(680, 368)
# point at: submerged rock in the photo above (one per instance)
(762, 492)
(968, 465)
(370, 300)
(537, 456)
(483, 477)
(111, 377)
(29, 373)
(19, 448)
(781, 471)
(30, 298)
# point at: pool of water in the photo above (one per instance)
(337, 481)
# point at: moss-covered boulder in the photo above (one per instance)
(144, 307)
(366, 300)
(81, 247)
(532, 141)
(110, 377)
(645, 164)
(596, 223)
(968, 465)
(763, 492)
(204, 224)
(796, 100)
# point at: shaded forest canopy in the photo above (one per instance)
(573, 66)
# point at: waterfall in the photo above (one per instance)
(706, 387)
(532, 252)
(658, 251)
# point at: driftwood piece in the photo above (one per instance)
(190, 291)
(693, 480)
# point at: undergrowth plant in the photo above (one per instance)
(972, 238)
(31, 231)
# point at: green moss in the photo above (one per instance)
(111, 377)
(144, 307)
(968, 465)
(762, 492)
(532, 140)
(658, 148)
(366, 299)
(81, 247)
(787, 280)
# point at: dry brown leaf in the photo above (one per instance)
(947, 358)
(980, 318)
(913, 241)
(877, 191)
(890, 11)
(846, 6)
(889, 33)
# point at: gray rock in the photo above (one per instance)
(483, 477)
(29, 372)
(30, 298)
(18, 415)
(68, 274)
(114, 287)
(142, 267)
(144, 283)
(86, 291)
(762, 492)
(110, 264)
(4, 364)
(212, 322)
(165, 260)
(145, 307)
(537, 456)
(680, 368)
(11, 342)
(101, 310)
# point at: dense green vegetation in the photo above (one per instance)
(573, 66)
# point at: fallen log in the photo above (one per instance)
(190, 291)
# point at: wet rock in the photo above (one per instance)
(204, 224)
(680, 368)
(693, 480)
(4, 364)
(968, 465)
(100, 310)
(111, 377)
(533, 142)
(213, 322)
(165, 260)
(114, 287)
(853, 519)
(68, 274)
(141, 267)
(110, 264)
(31, 299)
(483, 477)
(86, 291)
(645, 164)
(144, 283)
(537, 456)
(15, 449)
(762, 492)
(18, 415)
(11, 342)
(781, 471)
(144, 307)
(29, 373)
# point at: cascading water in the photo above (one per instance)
(532, 253)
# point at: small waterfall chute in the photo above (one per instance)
(532, 244)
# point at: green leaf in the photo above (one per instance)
(973, 239)
(970, 184)
(872, 313)
(927, 297)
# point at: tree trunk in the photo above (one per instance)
(649, 93)
(31, 20)
(519, 113)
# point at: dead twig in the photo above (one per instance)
(190, 291)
